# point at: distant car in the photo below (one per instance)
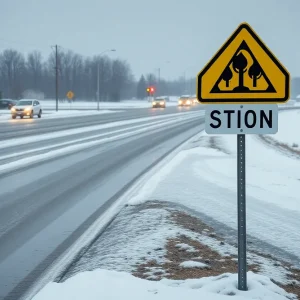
(159, 102)
(185, 101)
(26, 107)
(7, 103)
(194, 99)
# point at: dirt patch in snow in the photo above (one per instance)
(171, 269)
(183, 248)
(193, 224)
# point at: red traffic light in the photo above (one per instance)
(151, 89)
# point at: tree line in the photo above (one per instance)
(163, 87)
(21, 76)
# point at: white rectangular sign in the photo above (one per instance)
(241, 119)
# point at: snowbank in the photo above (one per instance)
(204, 178)
(112, 285)
(50, 104)
(6, 115)
(289, 124)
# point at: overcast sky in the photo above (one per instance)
(148, 34)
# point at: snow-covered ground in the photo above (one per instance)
(126, 104)
(206, 180)
(289, 127)
(112, 285)
(6, 115)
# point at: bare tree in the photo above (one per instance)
(37, 77)
(34, 66)
(12, 65)
(76, 71)
(121, 76)
(151, 79)
(87, 79)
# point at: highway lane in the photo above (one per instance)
(26, 147)
(26, 127)
(46, 206)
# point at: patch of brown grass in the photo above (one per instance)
(192, 223)
(216, 264)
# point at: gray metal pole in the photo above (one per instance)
(241, 199)
(56, 76)
(159, 83)
(98, 98)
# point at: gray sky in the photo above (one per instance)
(149, 33)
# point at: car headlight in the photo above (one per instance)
(27, 109)
(162, 103)
(180, 102)
(188, 102)
(13, 109)
(153, 103)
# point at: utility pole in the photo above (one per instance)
(159, 91)
(56, 76)
(98, 98)
(98, 73)
(184, 82)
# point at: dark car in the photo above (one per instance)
(7, 103)
(159, 102)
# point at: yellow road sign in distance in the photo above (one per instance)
(70, 94)
(244, 70)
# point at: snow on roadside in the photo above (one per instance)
(204, 178)
(112, 285)
(138, 236)
(6, 115)
(126, 104)
(288, 131)
(265, 181)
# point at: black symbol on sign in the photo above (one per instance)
(240, 65)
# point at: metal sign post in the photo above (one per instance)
(241, 206)
(243, 68)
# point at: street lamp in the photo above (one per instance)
(98, 71)
(158, 69)
(184, 79)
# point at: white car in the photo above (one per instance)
(26, 107)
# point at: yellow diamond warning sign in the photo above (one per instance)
(243, 71)
(70, 94)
